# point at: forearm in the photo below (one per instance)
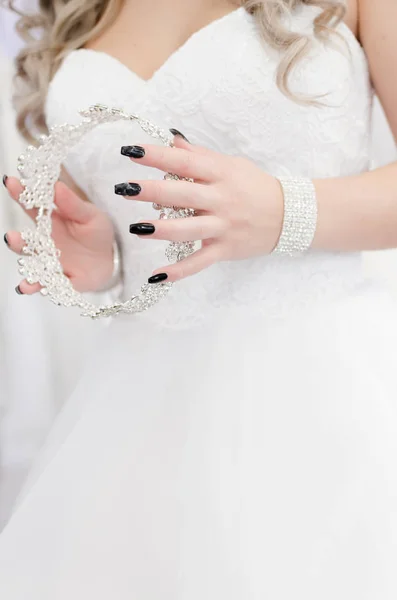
(358, 212)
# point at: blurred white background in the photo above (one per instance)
(42, 348)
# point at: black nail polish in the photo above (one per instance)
(142, 229)
(175, 132)
(127, 189)
(6, 240)
(18, 291)
(158, 278)
(5, 177)
(133, 151)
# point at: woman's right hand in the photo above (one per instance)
(83, 233)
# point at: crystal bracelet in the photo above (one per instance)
(117, 274)
(300, 216)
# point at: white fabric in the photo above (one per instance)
(384, 148)
(384, 151)
(238, 441)
(50, 345)
(25, 402)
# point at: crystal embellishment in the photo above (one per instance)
(39, 170)
(300, 216)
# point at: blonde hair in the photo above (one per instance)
(66, 25)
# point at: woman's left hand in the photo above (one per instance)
(239, 207)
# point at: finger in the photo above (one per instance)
(181, 141)
(14, 241)
(170, 193)
(71, 206)
(200, 260)
(15, 189)
(26, 289)
(191, 229)
(179, 137)
(179, 161)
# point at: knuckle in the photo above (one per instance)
(219, 253)
(217, 195)
(155, 192)
(215, 167)
(240, 162)
(179, 271)
(186, 162)
(161, 154)
(222, 227)
(201, 232)
(238, 167)
(162, 232)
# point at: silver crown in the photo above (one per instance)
(39, 169)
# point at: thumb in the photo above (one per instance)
(71, 206)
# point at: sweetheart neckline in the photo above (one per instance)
(186, 45)
(180, 50)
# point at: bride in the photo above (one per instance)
(238, 440)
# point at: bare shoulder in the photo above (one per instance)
(351, 18)
(377, 33)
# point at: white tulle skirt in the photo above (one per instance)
(242, 459)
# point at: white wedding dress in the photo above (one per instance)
(239, 440)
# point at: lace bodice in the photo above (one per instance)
(219, 89)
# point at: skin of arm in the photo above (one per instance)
(360, 212)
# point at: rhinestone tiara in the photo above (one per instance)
(39, 169)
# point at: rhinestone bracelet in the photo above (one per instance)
(117, 273)
(39, 170)
(300, 216)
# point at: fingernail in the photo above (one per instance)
(142, 229)
(127, 189)
(6, 240)
(133, 151)
(179, 134)
(18, 291)
(5, 177)
(158, 278)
